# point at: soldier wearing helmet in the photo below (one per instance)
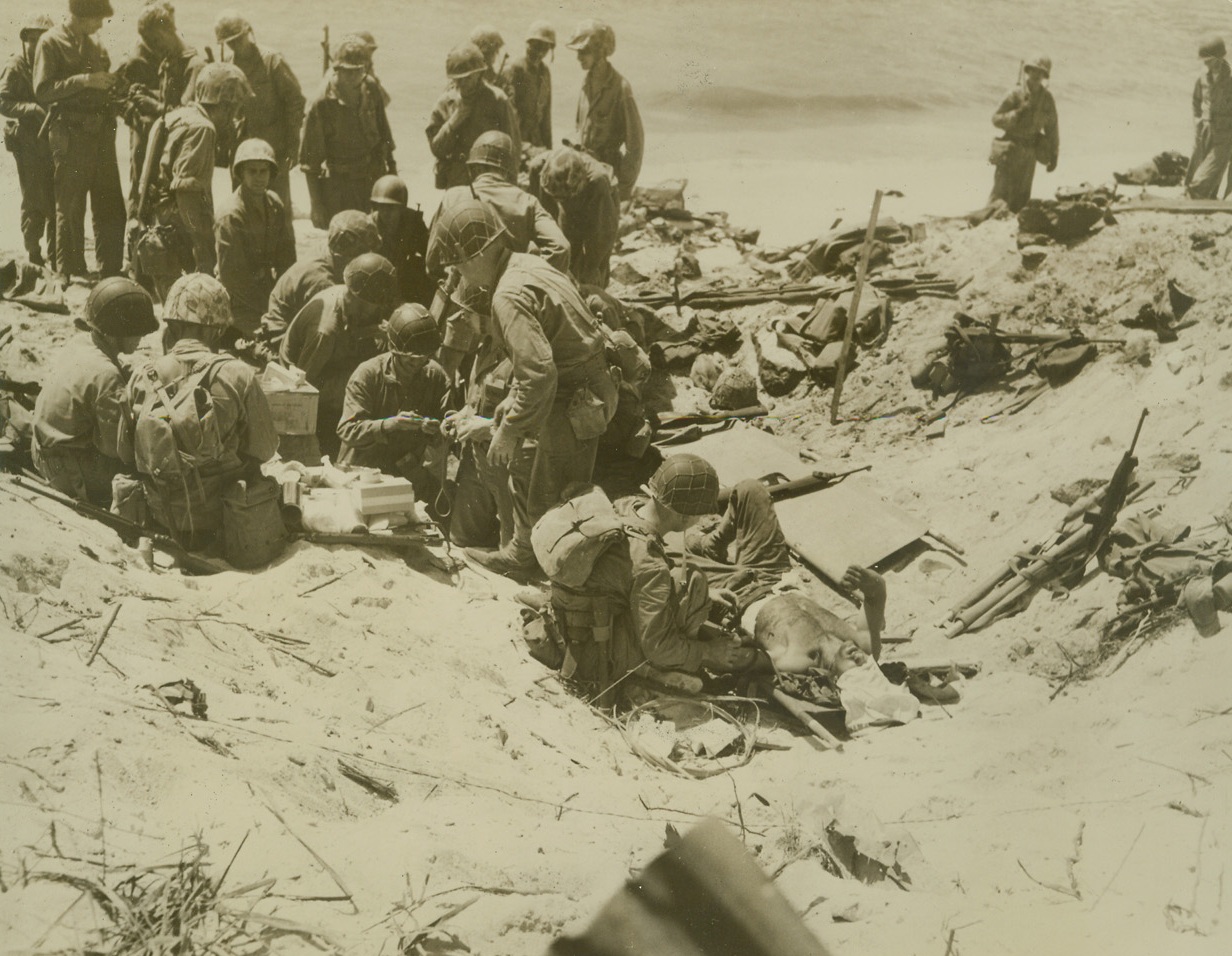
(1212, 112)
(276, 110)
(240, 434)
(78, 411)
(351, 234)
(564, 395)
(252, 236)
(31, 152)
(336, 331)
(1027, 118)
(72, 80)
(183, 210)
(469, 107)
(609, 126)
(489, 41)
(528, 81)
(588, 205)
(391, 416)
(347, 144)
(528, 226)
(404, 238)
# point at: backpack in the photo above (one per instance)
(569, 538)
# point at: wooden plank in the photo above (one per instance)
(830, 529)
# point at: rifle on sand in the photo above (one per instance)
(781, 487)
(196, 563)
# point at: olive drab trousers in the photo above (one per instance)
(83, 154)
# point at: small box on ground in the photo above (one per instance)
(292, 401)
(384, 497)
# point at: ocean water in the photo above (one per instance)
(787, 111)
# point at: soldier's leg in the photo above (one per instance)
(281, 185)
(71, 185)
(107, 204)
(474, 521)
(32, 219)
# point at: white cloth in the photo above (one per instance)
(870, 699)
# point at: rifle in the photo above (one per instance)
(325, 58)
(684, 421)
(780, 487)
(196, 563)
(1114, 498)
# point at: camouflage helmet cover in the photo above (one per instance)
(463, 229)
(199, 299)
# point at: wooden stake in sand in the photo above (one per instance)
(102, 635)
(840, 373)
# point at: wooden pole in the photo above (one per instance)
(840, 374)
(797, 710)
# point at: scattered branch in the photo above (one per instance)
(381, 788)
(333, 874)
(326, 583)
(102, 635)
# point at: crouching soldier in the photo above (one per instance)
(195, 420)
(335, 332)
(78, 413)
(253, 238)
(30, 151)
(391, 415)
(404, 238)
(588, 201)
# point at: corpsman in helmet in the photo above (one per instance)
(468, 108)
(528, 81)
(336, 331)
(276, 111)
(587, 198)
(347, 144)
(391, 416)
(31, 152)
(184, 485)
(78, 412)
(351, 234)
(255, 245)
(528, 226)
(72, 80)
(184, 186)
(609, 126)
(404, 238)
(562, 396)
(1027, 118)
(1212, 112)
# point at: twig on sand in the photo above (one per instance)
(385, 720)
(381, 788)
(1124, 860)
(43, 635)
(739, 807)
(1064, 891)
(102, 635)
(326, 583)
(1192, 776)
(333, 874)
(324, 671)
(102, 816)
(21, 766)
(949, 943)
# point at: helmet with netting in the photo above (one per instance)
(372, 278)
(412, 331)
(463, 230)
(687, 484)
(198, 298)
(494, 149)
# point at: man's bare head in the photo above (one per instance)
(799, 634)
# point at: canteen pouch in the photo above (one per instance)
(588, 414)
(1000, 151)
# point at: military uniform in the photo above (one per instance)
(347, 146)
(321, 342)
(590, 219)
(254, 247)
(81, 132)
(186, 193)
(274, 113)
(450, 137)
(245, 429)
(32, 154)
(525, 220)
(609, 126)
(77, 422)
(557, 349)
(293, 290)
(142, 106)
(1029, 122)
(407, 249)
(1212, 109)
(530, 90)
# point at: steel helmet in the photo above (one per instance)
(494, 149)
(688, 484)
(351, 54)
(541, 32)
(230, 26)
(564, 173)
(367, 39)
(351, 233)
(389, 190)
(463, 229)
(593, 34)
(372, 278)
(90, 8)
(118, 306)
(199, 299)
(220, 83)
(488, 39)
(1212, 46)
(464, 60)
(412, 331)
(1041, 63)
(35, 24)
(254, 151)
